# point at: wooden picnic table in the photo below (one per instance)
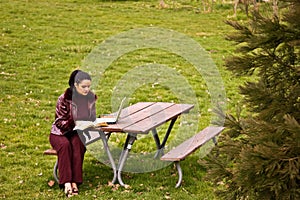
(141, 118)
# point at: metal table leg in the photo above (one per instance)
(168, 132)
(111, 160)
(161, 146)
(157, 142)
(127, 147)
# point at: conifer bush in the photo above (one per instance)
(258, 156)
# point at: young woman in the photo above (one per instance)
(76, 103)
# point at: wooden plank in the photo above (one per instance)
(142, 115)
(126, 112)
(134, 114)
(135, 108)
(192, 144)
(50, 152)
(155, 119)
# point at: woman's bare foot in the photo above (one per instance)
(75, 189)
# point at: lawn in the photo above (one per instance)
(43, 41)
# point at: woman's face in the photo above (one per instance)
(83, 87)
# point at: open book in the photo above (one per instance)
(100, 122)
(82, 125)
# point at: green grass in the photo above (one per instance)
(43, 41)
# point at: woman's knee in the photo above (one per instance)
(60, 142)
(76, 140)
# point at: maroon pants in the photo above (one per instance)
(70, 153)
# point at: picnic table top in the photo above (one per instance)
(142, 117)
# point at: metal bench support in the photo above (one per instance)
(55, 171)
(177, 163)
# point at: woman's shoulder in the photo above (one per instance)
(67, 95)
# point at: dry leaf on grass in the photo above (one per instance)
(127, 186)
(51, 183)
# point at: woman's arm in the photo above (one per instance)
(63, 116)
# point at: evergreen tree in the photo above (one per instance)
(258, 156)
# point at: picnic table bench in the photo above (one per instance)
(190, 145)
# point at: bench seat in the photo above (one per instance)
(50, 152)
(189, 146)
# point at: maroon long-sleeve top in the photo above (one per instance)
(71, 107)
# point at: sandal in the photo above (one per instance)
(75, 191)
(68, 191)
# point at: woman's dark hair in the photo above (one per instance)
(77, 76)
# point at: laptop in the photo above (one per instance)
(111, 119)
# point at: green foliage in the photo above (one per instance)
(43, 41)
(259, 154)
